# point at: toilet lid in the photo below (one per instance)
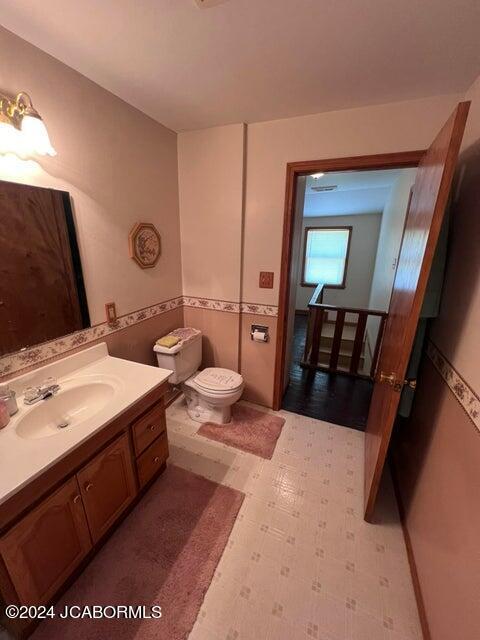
(216, 379)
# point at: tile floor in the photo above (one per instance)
(300, 561)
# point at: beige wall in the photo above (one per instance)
(211, 186)
(220, 336)
(438, 455)
(457, 332)
(271, 145)
(390, 238)
(118, 165)
(363, 248)
(210, 167)
(257, 360)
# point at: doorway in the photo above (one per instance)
(346, 240)
(304, 380)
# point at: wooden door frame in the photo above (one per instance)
(400, 160)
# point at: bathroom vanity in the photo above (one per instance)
(64, 488)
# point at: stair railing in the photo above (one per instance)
(317, 311)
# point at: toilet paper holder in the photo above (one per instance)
(259, 333)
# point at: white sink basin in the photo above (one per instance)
(75, 403)
(95, 388)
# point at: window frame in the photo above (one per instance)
(343, 284)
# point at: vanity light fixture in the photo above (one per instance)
(22, 130)
(316, 176)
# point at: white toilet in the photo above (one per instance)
(210, 393)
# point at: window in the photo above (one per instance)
(325, 256)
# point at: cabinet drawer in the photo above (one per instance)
(152, 459)
(149, 427)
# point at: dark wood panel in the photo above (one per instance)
(38, 285)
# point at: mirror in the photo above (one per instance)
(42, 292)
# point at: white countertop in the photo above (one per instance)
(23, 459)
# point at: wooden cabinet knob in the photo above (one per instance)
(156, 459)
(89, 486)
(76, 499)
(152, 427)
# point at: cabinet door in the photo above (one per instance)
(108, 486)
(43, 549)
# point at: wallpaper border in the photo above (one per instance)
(462, 391)
(16, 362)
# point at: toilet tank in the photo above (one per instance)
(184, 358)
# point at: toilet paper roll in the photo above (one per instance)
(259, 336)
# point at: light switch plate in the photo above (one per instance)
(266, 280)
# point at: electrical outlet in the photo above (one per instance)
(266, 280)
(209, 3)
(111, 312)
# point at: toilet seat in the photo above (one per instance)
(217, 381)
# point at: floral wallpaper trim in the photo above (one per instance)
(230, 307)
(15, 362)
(465, 395)
(38, 354)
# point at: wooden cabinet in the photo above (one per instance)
(108, 486)
(44, 548)
(41, 550)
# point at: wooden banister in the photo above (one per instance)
(317, 335)
(318, 315)
(358, 342)
(317, 297)
(337, 339)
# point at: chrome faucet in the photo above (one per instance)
(47, 389)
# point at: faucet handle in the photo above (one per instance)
(48, 383)
(31, 393)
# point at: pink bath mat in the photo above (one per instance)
(250, 430)
(164, 553)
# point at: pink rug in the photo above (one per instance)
(250, 430)
(164, 553)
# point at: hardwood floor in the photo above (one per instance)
(331, 397)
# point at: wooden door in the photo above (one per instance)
(44, 548)
(108, 486)
(422, 227)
